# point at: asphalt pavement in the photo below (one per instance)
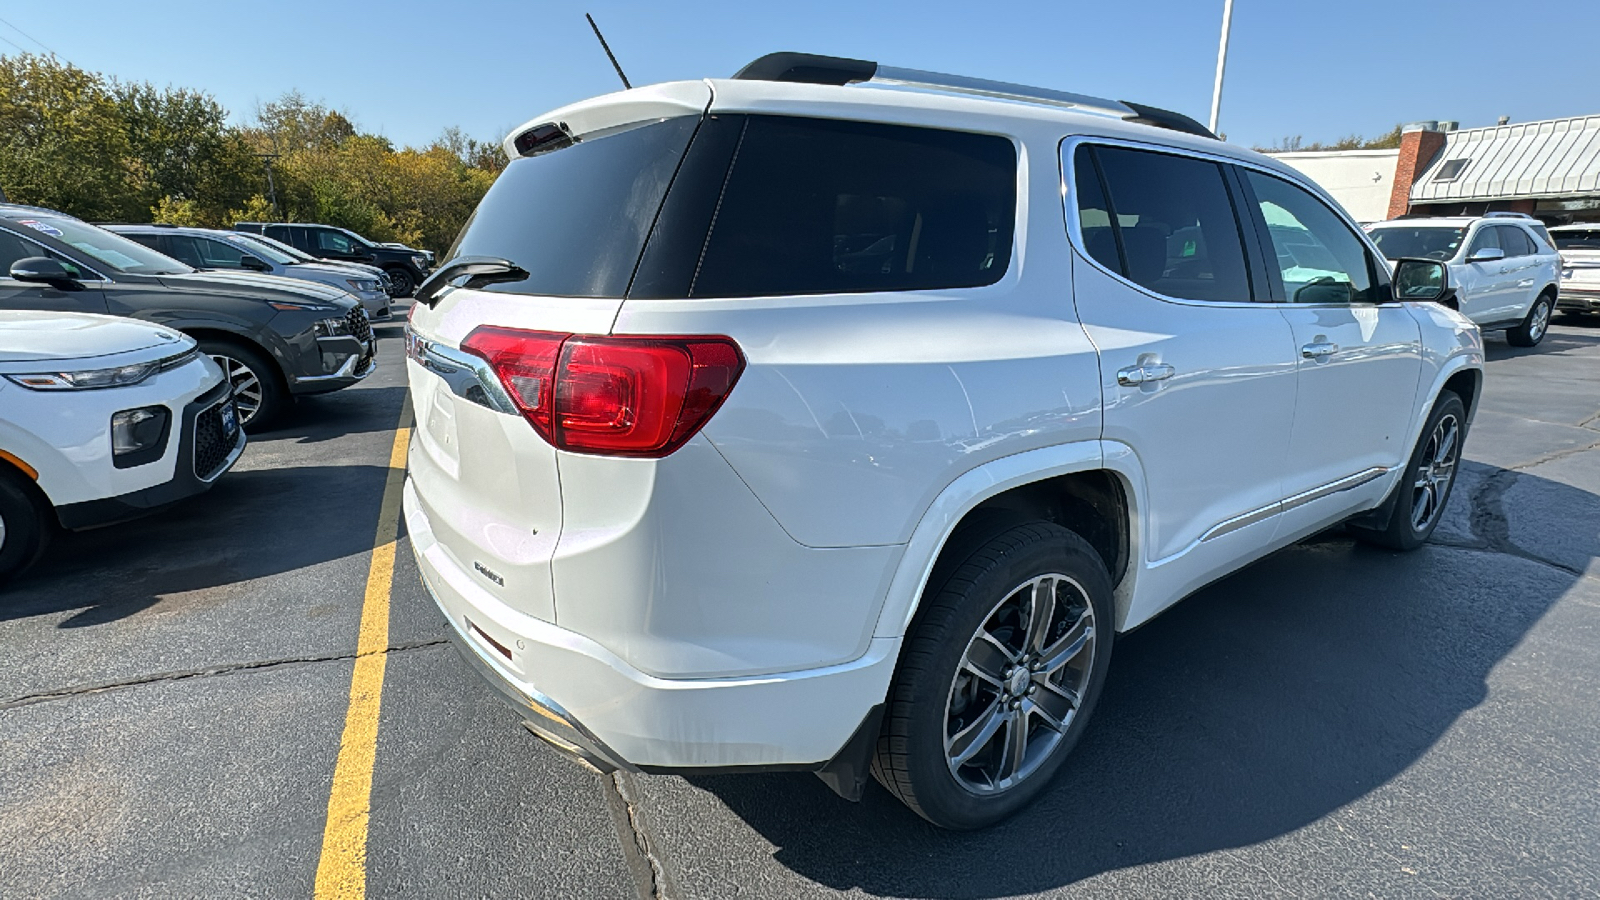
(1333, 720)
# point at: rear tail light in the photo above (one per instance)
(614, 396)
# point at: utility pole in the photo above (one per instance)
(272, 189)
(1222, 63)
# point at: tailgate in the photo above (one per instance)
(486, 480)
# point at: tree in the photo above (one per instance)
(1389, 140)
(62, 142)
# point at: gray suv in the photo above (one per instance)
(275, 337)
(204, 248)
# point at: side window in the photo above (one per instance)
(13, 248)
(1094, 216)
(1515, 241)
(218, 254)
(1175, 224)
(1485, 239)
(332, 241)
(182, 248)
(814, 206)
(1318, 257)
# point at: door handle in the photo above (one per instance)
(1319, 349)
(1133, 376)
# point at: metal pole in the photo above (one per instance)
(1222, 63)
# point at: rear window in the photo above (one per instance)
(813, 206)
(576, 219)
(1575, 239)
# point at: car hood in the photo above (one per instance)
(363, 268)
(335, 271)
(28, 336)
(267, 287)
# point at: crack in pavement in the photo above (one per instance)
(1488, 522)
(650, 875)
(229, 669)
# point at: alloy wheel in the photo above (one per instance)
(247, 388)
(2, 532)
(1541, 320)
(1020, 684)
(1434, 473)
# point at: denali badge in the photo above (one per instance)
(488, 574)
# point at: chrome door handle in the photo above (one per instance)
(1319, 350)
(1133, 376)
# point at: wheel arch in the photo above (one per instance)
(1074, 485)
(202, 333)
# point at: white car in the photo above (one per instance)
(776, 423)
(1580, 267)
(102, 419)
(1503, 266)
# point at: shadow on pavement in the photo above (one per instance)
(251, 524)
(1556, 340)
(325, 417)
(1251, 709)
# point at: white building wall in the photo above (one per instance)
(1361, 180)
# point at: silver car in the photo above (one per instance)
(205, 248)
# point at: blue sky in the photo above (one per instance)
(1317, 68)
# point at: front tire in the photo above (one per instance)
(1424, 487)
(1535, 325)
(401, 284)
(998, 677)
(258, 391)
(26, 525)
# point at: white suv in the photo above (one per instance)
(102, 419)
(772, 422)
(1580, 267)
(1503, 266)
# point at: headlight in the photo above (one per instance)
(362, 284)
(139, 436)
(332, 328)
(420, 262)
(87, 379)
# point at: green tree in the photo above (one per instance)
(62, 141)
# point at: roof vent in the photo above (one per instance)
(1450, 125)
(1426, 125)
(1504, 120)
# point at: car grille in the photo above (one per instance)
(359, 324)
(211, 444)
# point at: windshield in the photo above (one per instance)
(280, 246)
(262, 248)
(110, 250)
(1423, 242)
(357, 238)
(1577, 239)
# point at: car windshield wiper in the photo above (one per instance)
(480, 271)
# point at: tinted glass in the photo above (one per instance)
(219, 254)
(13, 248)
(1428, 242)
(1577, 239)
(112, 251)
(1515, 241)
(333, 241)
(576, 218)
(178, 246)
(814, 206)
(264, 248)
(1485, 239)
(1094, 218)
(1318, 257)
(1177, 226)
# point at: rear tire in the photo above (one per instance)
(1424, 488)
(258, 389)
(1535, 325)
(26, 525)
(997, 678)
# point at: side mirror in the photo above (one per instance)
(254, 264)
(1487, 254)
(44, 270)
(1427, 280)
(1326, 291)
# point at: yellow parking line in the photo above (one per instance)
(342, 871)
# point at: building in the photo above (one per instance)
(1550, 169)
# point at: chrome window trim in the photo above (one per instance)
(1065, 154)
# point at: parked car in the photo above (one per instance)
(1580, 267)
(425, 254)
(1503, 266)
(205, 248)
(815, 468)
(406, 267)
(277, 338)
(102, 419)
(301, 256)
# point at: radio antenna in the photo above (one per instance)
(607, 48)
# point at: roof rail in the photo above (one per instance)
(1503, 214)
(808, 68)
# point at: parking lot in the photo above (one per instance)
(1334, 720)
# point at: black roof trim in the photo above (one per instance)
(1166, 118)
(808, 68)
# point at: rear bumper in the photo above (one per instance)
(590, 702)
